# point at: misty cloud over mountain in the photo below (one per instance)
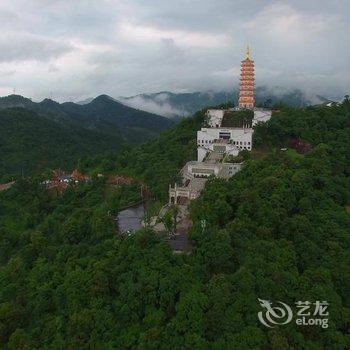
(171, 104)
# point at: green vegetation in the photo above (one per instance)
(157, 162)
(103, 114)
(278, 230)
(30, 143)
(238, 118)
(47, 135)
(111, 117)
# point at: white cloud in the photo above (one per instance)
(160, 107)
(289, 26)
(82, 48)
(28, 47)
(140, 33)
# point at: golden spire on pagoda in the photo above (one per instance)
(247, 53)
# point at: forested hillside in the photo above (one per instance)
(46, 135)
(110, 117)
(277, 230)
(103, 114)
(157, 161)
(30, 143)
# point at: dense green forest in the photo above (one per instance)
(31, 143)
(103, 114)
(38, 136)
(277, 230)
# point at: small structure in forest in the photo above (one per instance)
(6, 186)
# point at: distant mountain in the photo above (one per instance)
(173, 105)
(35, 136)
(16, 101)
(110, 116)
(102, 114)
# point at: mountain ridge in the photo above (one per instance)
(174, 105)
(29, 129)
(103, 114)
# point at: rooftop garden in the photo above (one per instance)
(237, 118)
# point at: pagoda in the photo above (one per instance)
(246, 86)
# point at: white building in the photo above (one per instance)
(213, 143)
(214, 117)
(225, 140)
(261, 115)
(182, 192)
(195, 175)
(204, 169)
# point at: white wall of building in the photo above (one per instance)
(203, 169)
(214, 117)
(229, 169)
(201, 153)
(205, 136)
(194, 168)
(228, 148)
(241, 138)
(261, 116)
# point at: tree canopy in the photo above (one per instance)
(277, 230)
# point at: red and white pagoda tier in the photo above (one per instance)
(246, 86)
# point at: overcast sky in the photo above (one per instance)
(81, 48)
